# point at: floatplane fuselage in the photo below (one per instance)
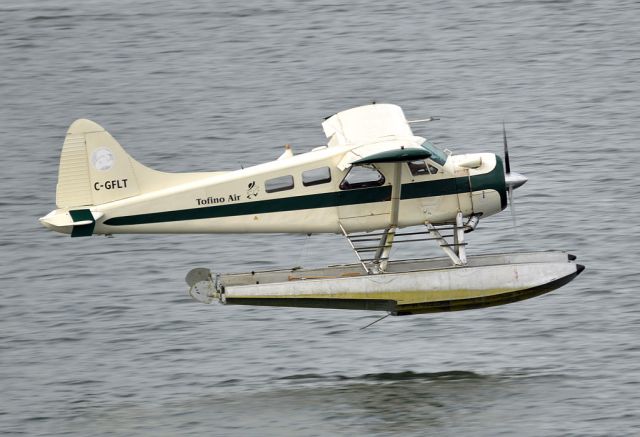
(373, 175)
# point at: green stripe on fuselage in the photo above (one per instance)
(313, 201)
(442, 187)
(493, 180)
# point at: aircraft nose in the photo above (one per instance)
(514, 179)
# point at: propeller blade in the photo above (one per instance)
(513, 180)
(507, 166)
(512, 206)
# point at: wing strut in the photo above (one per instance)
(384, 250)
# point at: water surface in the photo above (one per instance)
(97, 335)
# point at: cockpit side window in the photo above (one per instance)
(421, 167)
(362, 176)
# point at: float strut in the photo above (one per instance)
(459, 239)
(458, 254)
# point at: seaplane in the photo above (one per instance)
(373, 179)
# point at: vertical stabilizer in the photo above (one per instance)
(94, 168)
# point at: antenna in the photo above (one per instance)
(423, 120)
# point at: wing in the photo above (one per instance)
(375, 133)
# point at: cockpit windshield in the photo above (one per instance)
(437, 155)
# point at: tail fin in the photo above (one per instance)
(95, 169)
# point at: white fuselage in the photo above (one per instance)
(237, 201)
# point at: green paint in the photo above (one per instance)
(301, 302)
(396, 155)
(81, 215)
(442, 187)
(494, 180)
(323, 200)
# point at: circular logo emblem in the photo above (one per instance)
(102, 159)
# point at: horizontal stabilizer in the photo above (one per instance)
(78, 223)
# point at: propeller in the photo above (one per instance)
(513, 180)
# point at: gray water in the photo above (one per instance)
(97, 335)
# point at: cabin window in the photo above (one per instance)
(421, 167)
(281, 183)
(316, 176)
(361, 176)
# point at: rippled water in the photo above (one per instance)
(97, 336)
